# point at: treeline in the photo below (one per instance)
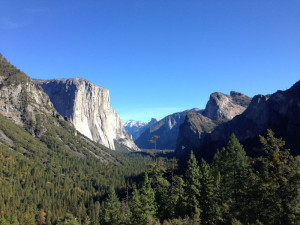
(61, 190)
(45, 181)
(232, 189)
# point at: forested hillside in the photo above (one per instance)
(61, 188)
(52, 174)
(232, 189)
(41, 180)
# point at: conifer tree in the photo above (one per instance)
(143, 203)
(112, 209)
(147, 197)
(192, 190)
(161, 187)
(234, 168)
(177, 198)
(276, 187)
(207, 194)
(137, 215)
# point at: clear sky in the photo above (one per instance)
(156, 56)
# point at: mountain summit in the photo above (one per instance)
(136, 128)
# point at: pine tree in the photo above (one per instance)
(192, 190)
(178, 198)
(143, 203)
(234, 168)
(137, 215)
(276, 187)
(207, 194)
(161, 187)
(147, 196)
(112, 209)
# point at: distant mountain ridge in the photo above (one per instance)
(167, 129)
(279, 112)
(136, 128)
(183, 129)
(220, 108)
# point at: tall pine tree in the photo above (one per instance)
(234, 168)
(207, 195)
(192, 187)
(112, 209)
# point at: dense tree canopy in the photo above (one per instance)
(232, 189)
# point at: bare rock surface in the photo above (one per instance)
(88, 107)
(225, 107)
(219, 109)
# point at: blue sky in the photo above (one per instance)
(156, 56)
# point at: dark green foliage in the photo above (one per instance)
(43, 180)
(276, 184)
(11, 75)
(233, 166)
(112, 209)
(143, 205)
(207, 200)
(46, 174)
(193, 186)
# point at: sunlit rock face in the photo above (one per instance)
(225, 107)
(220, 109)
(87, 106)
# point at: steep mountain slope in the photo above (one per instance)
(167, 129)
(219, 109)
(87, 106)
(191, 131)
(279, 112)
(59, 174)
(136, 128)
(21, 100)
(49, 171)
(27, 105)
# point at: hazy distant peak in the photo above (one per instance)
(133, 123)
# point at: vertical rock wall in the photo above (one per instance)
(87, 106)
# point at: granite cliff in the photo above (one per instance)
(219, 109)
(279, 112)
(87, 106)
(225, 107)
(30, 125)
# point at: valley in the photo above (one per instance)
(67, 158)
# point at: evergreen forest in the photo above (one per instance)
(231, 189)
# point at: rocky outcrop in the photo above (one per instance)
(219, 109)
(279, 112)
(191, 130)
(136, 128)
(87, 106)
(27, 111)
(22, 101)
(167, 129)
(225, 107)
